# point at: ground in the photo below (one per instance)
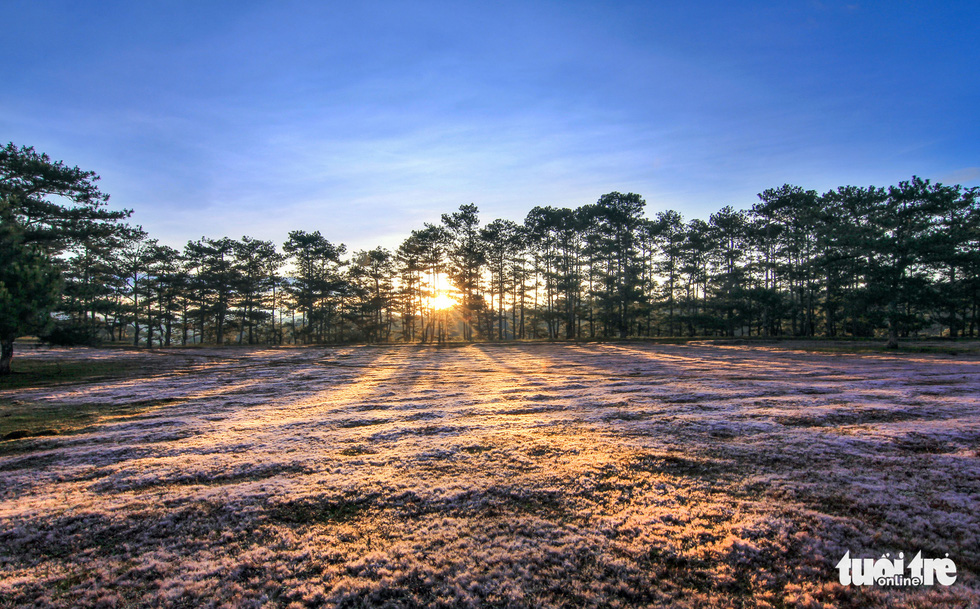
(539, 475)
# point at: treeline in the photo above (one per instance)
(850, 262)
(865, 262)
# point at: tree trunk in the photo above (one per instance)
(892, 327)
(892, 336)
(220, 323)
(183, 327)
(6, 354)
(251, 339)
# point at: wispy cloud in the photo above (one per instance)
(968, 176)
(380, 115)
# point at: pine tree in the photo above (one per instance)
(37, 230)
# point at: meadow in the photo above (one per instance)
(619, 474)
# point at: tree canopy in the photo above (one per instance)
(46, 209)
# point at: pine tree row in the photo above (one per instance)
(891, 262)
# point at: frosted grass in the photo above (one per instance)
(542, 475)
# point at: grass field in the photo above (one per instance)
(539, 475)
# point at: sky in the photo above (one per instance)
(364, 120)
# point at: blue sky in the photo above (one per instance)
(364, 120)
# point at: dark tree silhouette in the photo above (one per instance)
(47, 209)
(856, 261)
(466, 259)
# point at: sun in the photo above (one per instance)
(441, 301)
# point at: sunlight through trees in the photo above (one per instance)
(889, 262)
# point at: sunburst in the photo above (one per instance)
(441, 301)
